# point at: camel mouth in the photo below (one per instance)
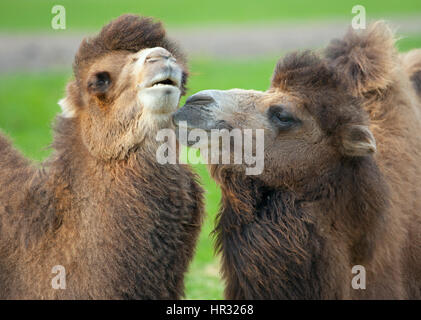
(161, 95)
(162, 81)
(189, 118)
(167, 82)
(197, 113)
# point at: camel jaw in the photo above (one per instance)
(159, 81)
(161, 94)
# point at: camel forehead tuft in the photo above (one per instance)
(303, 71)
(129, 33)
(308, 77)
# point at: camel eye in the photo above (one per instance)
(99, 83)
(281, 118)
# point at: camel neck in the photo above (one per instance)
(260, 227)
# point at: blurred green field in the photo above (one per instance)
(28, 103)
(32, 15)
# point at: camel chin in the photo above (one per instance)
(160, 100)
(159, 90)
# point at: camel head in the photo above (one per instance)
(310, 121)
(314, 112)
(128, 82)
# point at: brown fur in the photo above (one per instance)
(126, 33)
(326, 200)
(367, 58)
(412, 64)
(122, 225)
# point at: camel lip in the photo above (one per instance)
(199, 114)
(183, 138)
(163, 79)
(163, 89)
(193, 117)
(210, 125)
(199, 100)
(182, 124)
(159, 100)
(164, 82)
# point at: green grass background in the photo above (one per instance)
(28, 101)
(82, 14)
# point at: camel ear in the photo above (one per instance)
(357, 141)
(68, 110)
(68, 104)
(366, 59)
(411, 62)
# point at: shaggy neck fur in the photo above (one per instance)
(275, 242)
(122, 229)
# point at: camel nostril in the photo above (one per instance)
(157, 54)
(154, 57)
(200, 100)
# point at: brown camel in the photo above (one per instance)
(101, 214)
(341, 185)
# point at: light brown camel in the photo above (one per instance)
(101, 211)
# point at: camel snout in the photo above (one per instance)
(159, 54)
(200, 99)
(157, 67)
(197, 112)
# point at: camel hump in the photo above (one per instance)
(411, 62)
(366, 59)
(10, 158)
